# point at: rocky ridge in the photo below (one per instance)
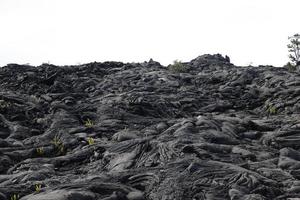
(135, 131)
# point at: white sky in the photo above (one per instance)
(80, 31)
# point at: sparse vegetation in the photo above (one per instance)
(271, 110)
(4, 104)
(89, 123)
(38, 187)
(15, 197)
(40, 151)
(91, 141)
(58, 144)
(56, 141)
(178, 67)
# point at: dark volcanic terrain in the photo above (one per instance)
(141, 131)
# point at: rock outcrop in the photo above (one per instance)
(139, 131)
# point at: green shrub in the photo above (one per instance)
(291, 67)
(178, 67)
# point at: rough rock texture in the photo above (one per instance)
(138, 131)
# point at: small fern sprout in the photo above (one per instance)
(40, 151)
(38, 187)
(91, 141)
(272, 110)
(56, 141)
(88, 123)
(4, 104)
(58, 144)
(61, 148)
(15, 197)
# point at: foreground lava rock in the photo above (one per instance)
(115, 131)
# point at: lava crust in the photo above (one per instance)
(140, 131)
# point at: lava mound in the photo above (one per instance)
(197, 130)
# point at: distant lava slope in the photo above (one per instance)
(140, 131)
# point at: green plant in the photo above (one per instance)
(61, 149)
(272, 110)
(56, 140)
(38, 187)
(15, 197)
(4, 104)
(91, 141)
(178, 67)
(294, 49)
(40, 151)
(88, 123)
(58, 144)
